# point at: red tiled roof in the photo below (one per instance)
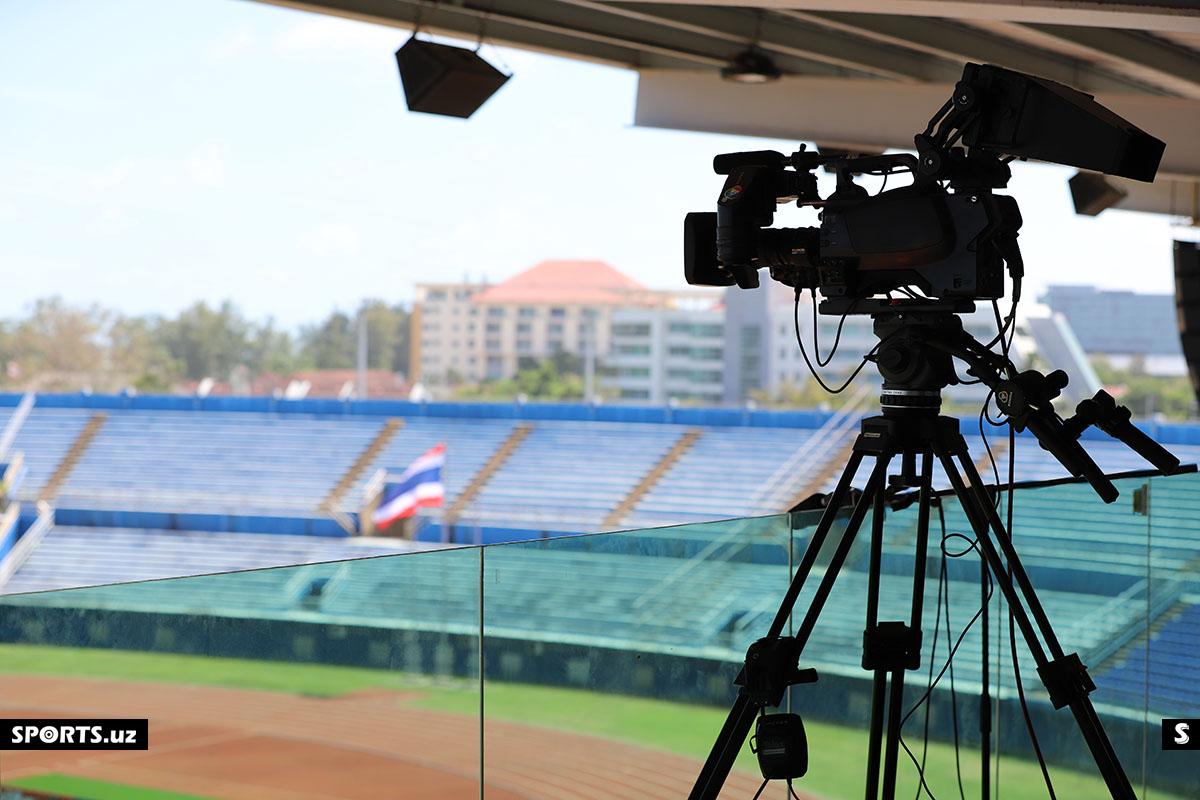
(569, 283)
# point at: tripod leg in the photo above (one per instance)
(741, 716)
(896, 701)
(1065, 678)
(879, 687)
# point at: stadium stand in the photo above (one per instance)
(264, 466)
(1166, 662)
(80, 556)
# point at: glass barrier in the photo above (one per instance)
(602, 665)
(343, 679)
(609, 660)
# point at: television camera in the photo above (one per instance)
(946, 232)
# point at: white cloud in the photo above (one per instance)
(331, 238)
(206, 164)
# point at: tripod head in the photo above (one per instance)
(918, 343)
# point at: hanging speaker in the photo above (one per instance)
(1091, 193)
(1187, 306)
(446, 80)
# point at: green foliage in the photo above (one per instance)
(58, 347)
(791, 395)
(1147, 395)
(333, 343)
(545, 379)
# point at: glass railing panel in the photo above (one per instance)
(1088, 562)
(341, 679)
(610, 659)
(1162, 668)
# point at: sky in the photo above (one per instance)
(158, 152)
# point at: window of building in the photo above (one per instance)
(523, 327)
(524, 346)
(633, 372)
(492, 345)
(435, 295)
(526, 312)
(635, 394)
(495, 312)
(554, 328)
(493, 327)
(631, 329)
(555, 345)
(558, 313)
(632, 349)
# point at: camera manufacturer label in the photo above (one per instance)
(75, 734)
(1181, 734)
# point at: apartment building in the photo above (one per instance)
(475, 332)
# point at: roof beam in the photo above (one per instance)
(960, 43)
(1139, 55)
(776, 34)
(1162, 15)
(866, 114)
(512, 23)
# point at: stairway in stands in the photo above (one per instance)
(493, 465)
(63, 471)
(651, 478)
(332, 501)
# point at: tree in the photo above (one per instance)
(333, 343)
(209, 342)
(538, 380)
(139, 358)
(64, 345)
(330, 344)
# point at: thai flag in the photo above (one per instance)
(419, 487)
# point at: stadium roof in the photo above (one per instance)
(566, 282)
(857, 73)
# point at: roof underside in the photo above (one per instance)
(857, 73)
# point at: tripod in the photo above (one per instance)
(917, 346)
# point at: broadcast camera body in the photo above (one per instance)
(946, 233)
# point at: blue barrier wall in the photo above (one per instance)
(1163, 432)
(221, 523)
(719, 417)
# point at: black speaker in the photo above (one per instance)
(1091, 194)
(1187, 306)
(446, 80)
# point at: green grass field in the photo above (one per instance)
(88, 789)
(838, 752)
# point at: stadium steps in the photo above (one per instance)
(490, 468)
(1122, 654)
(832, 467)
(333, 499)
(651, 478)
(63, 471)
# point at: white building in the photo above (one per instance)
(659, 355)
(476, 332)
